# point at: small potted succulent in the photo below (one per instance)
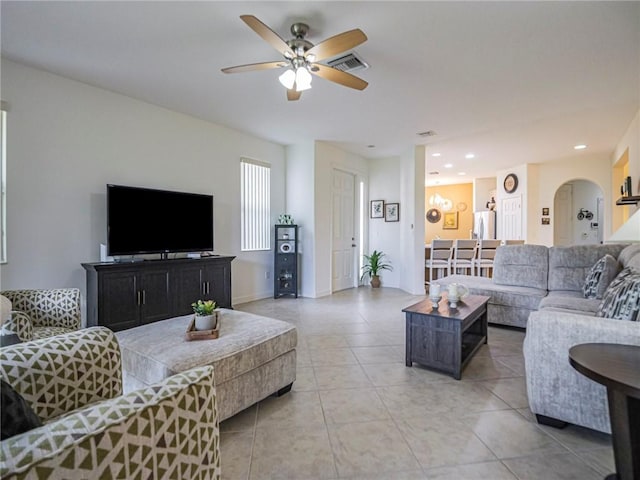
(206, 316)
(373, 264)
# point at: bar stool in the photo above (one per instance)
(464, 254)
(440, 257)
(486, 254)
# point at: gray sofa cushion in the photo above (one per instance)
(522, 266)
(630, 254)
(568, 266)
(600, 276)
(508, 295)
(569, 301)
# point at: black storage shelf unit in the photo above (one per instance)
(285, 262)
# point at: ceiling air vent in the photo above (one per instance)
(348, 63)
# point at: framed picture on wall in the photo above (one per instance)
(377, 209)
(546, 221)
(450, 221)
(392, 212)
(545, 211)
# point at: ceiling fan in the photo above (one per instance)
(301, 57)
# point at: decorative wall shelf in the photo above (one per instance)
(630, 200)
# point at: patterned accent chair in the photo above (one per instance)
(40, 313)
(91, 430)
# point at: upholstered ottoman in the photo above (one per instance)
(252, 358)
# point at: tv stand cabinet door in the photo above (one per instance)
(154, 297)
(188, 285)
(117, 300)
(217, 283)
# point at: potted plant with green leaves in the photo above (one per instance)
(206, 316)
(373, 264)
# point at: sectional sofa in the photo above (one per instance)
(541, 289)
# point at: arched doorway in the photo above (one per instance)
(578, 218)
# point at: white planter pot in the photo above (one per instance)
(206, 322)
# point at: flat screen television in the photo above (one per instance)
(144, 220)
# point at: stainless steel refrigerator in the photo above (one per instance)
(484, 224)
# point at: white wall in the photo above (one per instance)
(412, 221)
(384, 184)
(67, 140)
(327, 158)
(483, 188)
(630, 140)
(551, 175)
(300, 204)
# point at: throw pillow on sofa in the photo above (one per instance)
(621, 301)
(600, 276)
(17, 415)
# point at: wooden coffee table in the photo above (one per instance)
(445, 339)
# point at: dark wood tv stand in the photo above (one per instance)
(124, 295)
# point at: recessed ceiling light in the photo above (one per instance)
(462, 173)
(582, 146)
(469, 155)
(448, 165)
(436, 154)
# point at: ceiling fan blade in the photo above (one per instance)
(255, 66)
(338, 76)
(271, 37)
(293, 95)
(337, 44)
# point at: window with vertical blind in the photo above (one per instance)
(255, 205)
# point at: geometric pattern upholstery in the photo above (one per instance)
(621, 301)
(165, 431)
(59, 374)
(20, 324)
(600, 276)
(53, 307)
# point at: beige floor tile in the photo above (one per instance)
(292, 453)
(514, 363)
(235, 455)
(295, 409)
(380, 354)
(513, 391)
(578, 438)
(387, 374)
(374, 340)
(326, 341)
(477, 471)
(565, 467)
(443, 397)
(438, 440)
(305, 379)
(242, 421)
(435, 420)
(483, 368)
(508, 434)
(600, 459)
(370, 448)
(341, 376)
(352, 405)
(332, 356)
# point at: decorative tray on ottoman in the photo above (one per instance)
(193, 334)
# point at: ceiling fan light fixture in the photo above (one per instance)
(287, 79)
(303, 79)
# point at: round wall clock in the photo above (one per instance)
(511, 183)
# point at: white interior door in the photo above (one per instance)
(343, 245)
(563, 218)
(511, 218)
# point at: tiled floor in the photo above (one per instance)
(356, 411)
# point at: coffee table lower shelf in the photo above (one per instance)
(446, 339)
